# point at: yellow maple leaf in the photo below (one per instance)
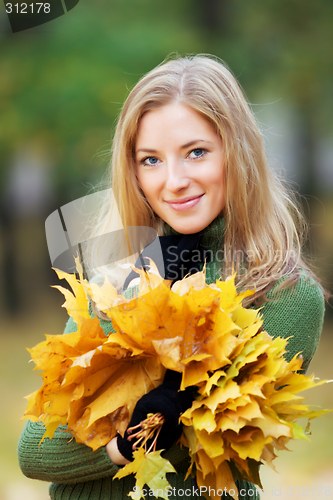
(77, 302)
(149, 469)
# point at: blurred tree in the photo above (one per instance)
(282, 48)
(66, 81)
(63, 83)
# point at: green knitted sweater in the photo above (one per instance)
(78, 473)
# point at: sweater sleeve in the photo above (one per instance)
(296, 313)
(60, 459)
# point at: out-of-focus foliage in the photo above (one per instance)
(282, 45)
(64, 83)
(62, 86)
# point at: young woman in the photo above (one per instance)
(188, 160)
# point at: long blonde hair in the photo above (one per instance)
(263, 222)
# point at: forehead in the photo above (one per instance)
(174, 121)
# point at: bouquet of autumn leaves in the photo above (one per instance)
(247, 403)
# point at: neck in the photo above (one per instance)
(212, 235)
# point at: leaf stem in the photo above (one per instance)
(147, 430)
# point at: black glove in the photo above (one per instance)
(167, 400)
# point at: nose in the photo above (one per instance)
(177, 176)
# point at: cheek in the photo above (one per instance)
(148, 186)
(216, 177)
(217, 183)
(142, 183)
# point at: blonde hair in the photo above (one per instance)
(262, 219)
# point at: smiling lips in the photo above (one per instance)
(185, 203)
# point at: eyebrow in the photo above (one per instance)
(184, 146)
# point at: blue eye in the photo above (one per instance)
(197, 153)
(150, 161)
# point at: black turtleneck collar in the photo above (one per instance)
(177, 255)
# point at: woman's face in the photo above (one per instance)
(180, 167)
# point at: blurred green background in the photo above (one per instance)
(61, 88)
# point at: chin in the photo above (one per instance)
(188, 228)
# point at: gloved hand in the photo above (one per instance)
(167, 400)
